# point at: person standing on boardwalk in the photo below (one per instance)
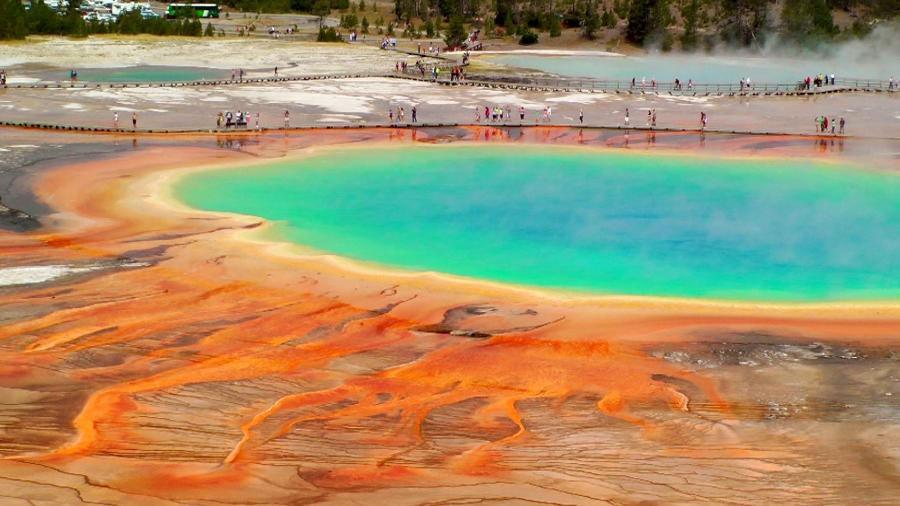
(627, 118)
(276, 71)
(653, 119)
(257, 121)
(134, 121)
(391, 114)
(833, 125)
(401, 114)
(287, 119)
(842, 125)
(414, 114)
(581, 116)
(521, 113)
(116, 120)
(649, 117)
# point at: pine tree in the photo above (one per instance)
(690, 12)
(640, 22)
(12, 20)
(555, 26)
(591, 21)
(456, 32)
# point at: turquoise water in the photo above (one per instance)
(702, 69)
(585, 220)
(147, 73)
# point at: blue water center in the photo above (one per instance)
(585, 219)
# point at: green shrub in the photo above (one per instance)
(555, 28)
(528, 38)
(328, 35)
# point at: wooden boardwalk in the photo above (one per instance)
(539, 84)
(410, 126)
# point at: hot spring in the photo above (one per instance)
(584, 219)
(145, 73)
(725, 69)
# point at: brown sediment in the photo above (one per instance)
(218, 367)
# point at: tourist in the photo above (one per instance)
(220, 118)
(229, 119)
(400, 114)
(508, 113)
(391, 114)
(487, 113)
(287, 119)
(134, 121)
(232, 74)
(2, 77)
(276, 71)
(818, 122)
(414, 111)
(581, 116)
(702, 121)
(116, 120)
(627, 118)
(824, 124)
(833, 125)
(549, 113)
(653, 119)
(257, 120)
(521, 113)
(690, 84)
(832, 79)
(649, 117)
(842, 125)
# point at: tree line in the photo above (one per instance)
(693, 23)
(17, 22)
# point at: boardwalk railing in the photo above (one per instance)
(199, 82)
(670, 87)
(513, 82)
